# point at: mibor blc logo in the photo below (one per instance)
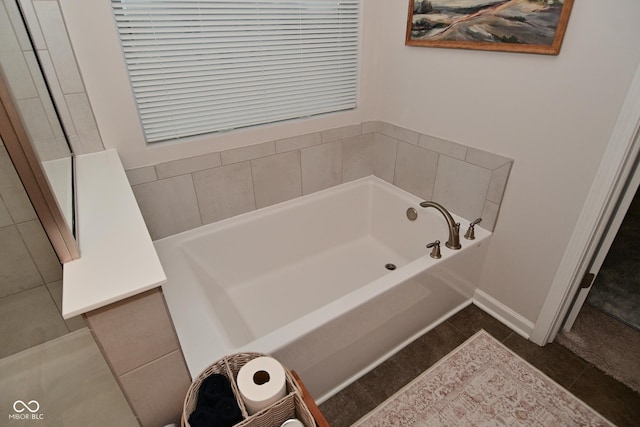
(26, 410)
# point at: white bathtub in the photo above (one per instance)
(305, 280)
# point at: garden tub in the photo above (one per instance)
(331, 283)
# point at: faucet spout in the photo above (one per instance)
(454, 227)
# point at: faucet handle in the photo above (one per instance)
(471, 234)
(435, 252)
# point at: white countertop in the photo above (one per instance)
(117, 256)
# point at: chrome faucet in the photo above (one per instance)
(454, 227)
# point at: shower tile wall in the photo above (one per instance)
(30, 274)
(55, 54)
(183, 194)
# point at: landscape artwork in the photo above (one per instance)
(530, 26)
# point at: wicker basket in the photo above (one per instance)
(291, 406)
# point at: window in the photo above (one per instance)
(204, 66)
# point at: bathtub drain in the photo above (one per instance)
(390, 266)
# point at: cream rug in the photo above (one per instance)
(482, 383)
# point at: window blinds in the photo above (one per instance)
(204, 66)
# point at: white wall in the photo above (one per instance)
(552, 115)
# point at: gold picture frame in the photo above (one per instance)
(525, 26)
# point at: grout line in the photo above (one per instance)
(395, 161)
(435, 176)
(455, 329)
(21, 291)
(253, 185)
(507, 337)
(300, 170)
(570, 386)
(195, 193)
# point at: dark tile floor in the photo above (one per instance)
(612, 399)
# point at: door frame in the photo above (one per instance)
(604, 247)
(610, 182)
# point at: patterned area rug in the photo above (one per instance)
(482, 383)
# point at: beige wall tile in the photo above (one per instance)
(498, 183)
(490, 215)
(38, 128)
(34, 27)
(168, 206)
(248, 153)
(221, 192)
(341, 133)
(157, 390)
(276, 178)
(84, 123)
(321, 167)
(14, 23)
(298, 142)
(225, 191)
(36, 121)
(12, 192)
(442, 146)
(56, 92)
(461, 187)
(373, 126)
(142, 175)
(55, 35)
(44, 94)
(8, 37)
(188, 165)
(41, 250)
(415, 170)
(485, 159)
(134, 331)
(27, 319)
(357, 157)
(17, 75)
(401, 134)
(18, 272)
(384, 156)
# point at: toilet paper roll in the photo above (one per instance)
(261, 382)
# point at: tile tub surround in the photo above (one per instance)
(138, 341)
(183, 194)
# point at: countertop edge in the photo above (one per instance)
(117, 256)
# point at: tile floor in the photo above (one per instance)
(612, 399)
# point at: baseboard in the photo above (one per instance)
(503, 313)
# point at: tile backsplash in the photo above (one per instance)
(183, 194)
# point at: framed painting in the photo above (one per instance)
(528, 26)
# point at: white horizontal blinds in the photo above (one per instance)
(208, 65)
